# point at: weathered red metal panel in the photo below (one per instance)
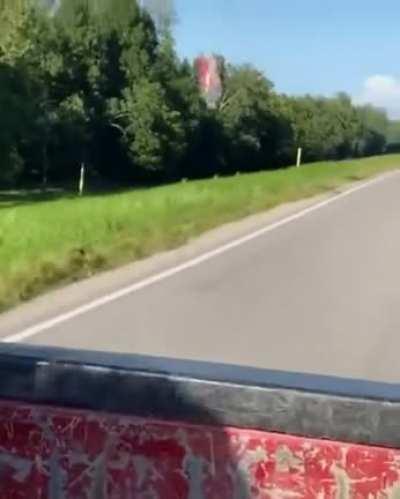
(58, 453)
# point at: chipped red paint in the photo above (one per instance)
(58, 453)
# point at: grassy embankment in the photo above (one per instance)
(43, 243)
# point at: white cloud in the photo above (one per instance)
(382, 91)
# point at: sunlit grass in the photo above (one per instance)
(51, 242)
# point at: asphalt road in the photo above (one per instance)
(320, 294)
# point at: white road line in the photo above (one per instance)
(55, 321)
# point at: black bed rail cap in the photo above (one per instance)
(205, 393)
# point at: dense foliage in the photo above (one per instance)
(393, 137)
(99, 82)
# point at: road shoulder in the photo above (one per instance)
(62, 300)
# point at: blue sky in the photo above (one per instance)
(303, 46)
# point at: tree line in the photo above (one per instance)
(99, 83)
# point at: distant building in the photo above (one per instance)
(209, 78)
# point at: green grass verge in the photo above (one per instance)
(51, 242)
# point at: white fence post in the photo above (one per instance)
(82, 179)
(299, 155)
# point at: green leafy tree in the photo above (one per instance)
(324, 128)
(152, 131)
(16, 112)
(251, 119)
(373, 131)
(100, 82)
(16, 89)
(393, 137)
(163, 13)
